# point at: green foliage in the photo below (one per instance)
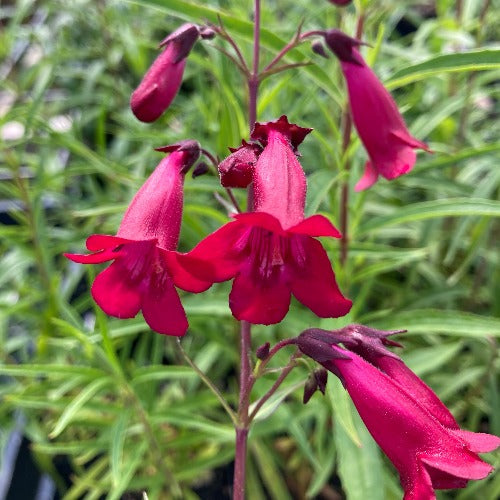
(118, 400)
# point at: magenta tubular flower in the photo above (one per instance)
(406, 418)
(380, 126)
(144, 268)
(163, 79)
(271, 253)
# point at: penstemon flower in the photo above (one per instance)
(144, 268)
(163, 79)
(380, 126)
(272, 252)
(406, 418)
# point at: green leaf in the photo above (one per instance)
(72, 409)
(341, 406)
(453, 323)
(359, 466)
(449, 63)
(452, 207)
(161, 372)
(118, 433)
(429, 359)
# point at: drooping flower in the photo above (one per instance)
(380, 126)
(144, 269)
(405, 417)
(272, 252)
(236, 171)
(163, 79)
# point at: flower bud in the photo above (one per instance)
(310, 388)
(318, 48)
(200, 169)
(237, 169)
(263, 351)
(163, 79)
(340, 3)
(207, 33)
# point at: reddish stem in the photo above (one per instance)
(346, 139)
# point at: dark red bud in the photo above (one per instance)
(184, 39)
(310, 388)
(262, 351)
(200, 169)
(190, 147)
(236, 170)
(340, 3)
(341, 45)
(207, 33)
(318, 48)
(321, 376)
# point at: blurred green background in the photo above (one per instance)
(110, 409)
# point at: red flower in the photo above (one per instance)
(144, 268)
(389, 144)
(163, 79)
(271, 253)
(406, 418)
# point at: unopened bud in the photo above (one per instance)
(318, 48)
(262, 351)
(340, 3)
(207, 33)
(310, 388)
(200, 169)
(321, 376)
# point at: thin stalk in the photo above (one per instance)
(253, 80)
(346, 139)
(284, 373)
(208, 383)
(246, 384)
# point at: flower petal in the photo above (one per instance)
(216, 258)
(313, 280)
(261, 219)
(115, 293)
(459, 463)
(179, 274)
(478, 442)
(262, 302)
(316, 225)
(96, 242)
(162, 309)
(369, 177)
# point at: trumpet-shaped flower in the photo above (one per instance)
(381, 128)
(271, 253)
(144, 269)
(163, 79)
(404, 416)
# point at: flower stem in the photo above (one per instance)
(284, 373)
(346, 139)
(207, 382)
(253, 80)
(246, 383)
